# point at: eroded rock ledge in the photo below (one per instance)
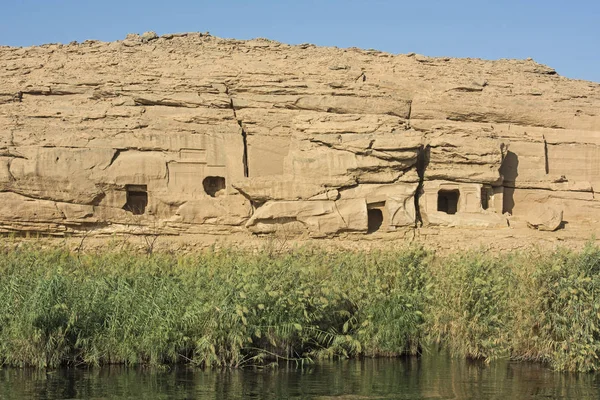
(189, 133)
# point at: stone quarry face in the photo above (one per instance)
(195, 134)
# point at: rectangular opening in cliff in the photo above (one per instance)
(137, 199)
(448, 201)
(213, 185)
(375, 216)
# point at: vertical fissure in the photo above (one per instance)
(245, 153)
(422, 161)
(244, 136)
(546, 163)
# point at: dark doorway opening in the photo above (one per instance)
(375, 216)
(448, 201)
(213, 184)
(137, 199)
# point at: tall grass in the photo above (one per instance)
(236, 308)
(471, 313)
(222, 308)
(537, 306)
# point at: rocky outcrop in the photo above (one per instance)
(188, 133)
(545, 219)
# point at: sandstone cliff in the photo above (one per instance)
(191, 133)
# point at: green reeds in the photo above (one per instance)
(535, 306)
(235, 308)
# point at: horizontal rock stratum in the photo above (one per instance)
(189, 133)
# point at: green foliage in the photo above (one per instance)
(221, 308)
(471, 312)
(235, 308)
(562, 296)
(536, 306)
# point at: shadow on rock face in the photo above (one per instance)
(510, 172)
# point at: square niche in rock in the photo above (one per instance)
(447, 201)
(137, 199)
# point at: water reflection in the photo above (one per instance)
(429, 377)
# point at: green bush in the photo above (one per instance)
(235, 308)
(471, 312)
(214, 309)
(561, 296)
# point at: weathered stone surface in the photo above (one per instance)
(149, 36)
(545, 218)
(318, 218)
(189, 133)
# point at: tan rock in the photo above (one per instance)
(278, 188)
(14, 207)
(189, 133)
(545, 218)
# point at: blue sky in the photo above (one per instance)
(562, 34)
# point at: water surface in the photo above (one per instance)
(429, 377)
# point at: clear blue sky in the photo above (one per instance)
(562, 34)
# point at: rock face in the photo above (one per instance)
(188, 133)
(545, 219)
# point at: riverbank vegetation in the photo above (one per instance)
(236, 308)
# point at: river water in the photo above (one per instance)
(428, 377)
